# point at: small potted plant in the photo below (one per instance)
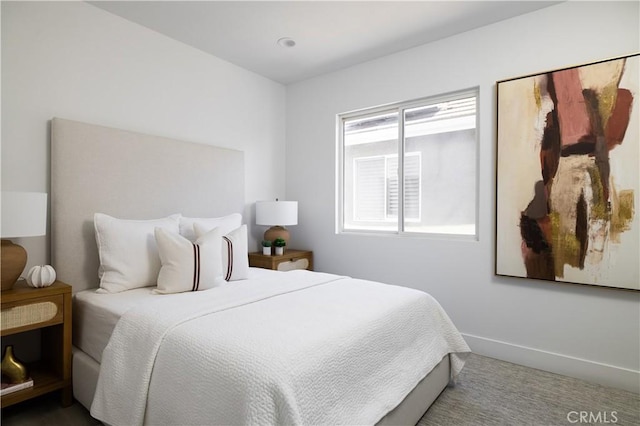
(279, 244)
(266, 247)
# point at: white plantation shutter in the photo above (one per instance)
(412, 186)
(377, 188)
(392, 187)
(411, 183)
(369, 189)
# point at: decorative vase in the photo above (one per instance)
(279, 251)
(266, 251)
(14, 259)
(12, 368)
(41, 276)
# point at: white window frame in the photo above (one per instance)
(400, 107)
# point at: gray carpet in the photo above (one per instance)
(492, 392)
(488, 392)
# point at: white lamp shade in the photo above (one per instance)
(277, 213)
(24, 214)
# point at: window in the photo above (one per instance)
(432, 189)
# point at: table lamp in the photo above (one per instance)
(24, 214)
(277, 215)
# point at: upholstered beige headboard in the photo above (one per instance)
(131, 176)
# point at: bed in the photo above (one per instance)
(270, 347)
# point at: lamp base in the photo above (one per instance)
(13, 259)
(277, 232)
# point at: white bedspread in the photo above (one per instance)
(293, 348)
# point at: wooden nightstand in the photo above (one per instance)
(48, 309)
(291, 259)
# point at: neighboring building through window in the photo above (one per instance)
(432, 190)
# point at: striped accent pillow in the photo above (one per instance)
(186, 265)
(235, 253)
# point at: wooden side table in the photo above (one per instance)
(49, 310)
(291, 259)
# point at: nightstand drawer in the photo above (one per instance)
(36, 313)
(292, 264)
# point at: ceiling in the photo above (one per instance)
(329, 35)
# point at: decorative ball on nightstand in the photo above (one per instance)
(41, 276)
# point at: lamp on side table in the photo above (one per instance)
(24, 214)
(277, 214)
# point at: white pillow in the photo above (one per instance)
(235, 252)
(128, 252)
(225, 223)
(188, 266)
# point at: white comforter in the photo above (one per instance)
(292, 348)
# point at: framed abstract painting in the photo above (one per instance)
(568, 175)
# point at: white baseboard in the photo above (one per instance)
(591, 371)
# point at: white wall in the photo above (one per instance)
(75, 61)
(583, 331)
